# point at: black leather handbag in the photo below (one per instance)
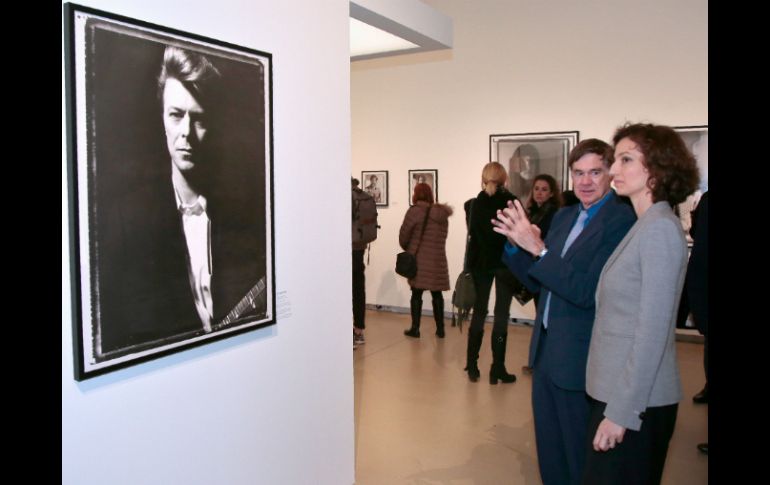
(406, 262)
(406, 265)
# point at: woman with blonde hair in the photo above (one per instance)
(485, 249)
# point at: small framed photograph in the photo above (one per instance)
(697, 140)
(375, 183)
(423, 176)
(526, 155)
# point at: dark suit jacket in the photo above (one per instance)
(697, 267)
(572, 281)
(142, 298)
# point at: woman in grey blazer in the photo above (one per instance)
(632, 376)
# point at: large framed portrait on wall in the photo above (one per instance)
(170, 169)
(697, 140)
(526, 155)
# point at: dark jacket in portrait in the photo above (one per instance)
(143, 298)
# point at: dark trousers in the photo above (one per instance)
(417, 294)
(561, 422)
(639, 459)
(505, 283)
(359, 289)
(706, 358)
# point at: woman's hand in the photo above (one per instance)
(608, 435)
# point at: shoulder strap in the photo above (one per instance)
(468, 237)
(424, 225)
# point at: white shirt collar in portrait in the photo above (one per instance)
(197, 232)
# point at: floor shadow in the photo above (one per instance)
(507, 458)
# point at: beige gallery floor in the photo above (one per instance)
(418, 420)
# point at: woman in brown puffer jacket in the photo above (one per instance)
(430, 249)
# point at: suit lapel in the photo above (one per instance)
(591, 229)
(558, 235)
(619, 248)
(629, 235)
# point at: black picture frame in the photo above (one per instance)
(550, 150)
(426, 175)
(378, 187)
(132, 290)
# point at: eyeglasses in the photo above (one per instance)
(595, 174)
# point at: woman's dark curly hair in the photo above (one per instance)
(673, 169)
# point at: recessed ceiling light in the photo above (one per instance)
(381, 28)
(366, 39)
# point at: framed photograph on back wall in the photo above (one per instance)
(697, 140)
(526, 155)
(376, 184)
(423, 176)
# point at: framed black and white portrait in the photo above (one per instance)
(697, 140)
(527, 155)
(376, 184)
(170, 168)
(423, 176)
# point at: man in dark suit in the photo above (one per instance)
(181, 253)
(565, 269)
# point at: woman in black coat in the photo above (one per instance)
(484, 252)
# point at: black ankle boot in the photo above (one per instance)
(438, 315)
(474, 345)
(497, 371)
(416, 308)
(474, 374)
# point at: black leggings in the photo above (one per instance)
(417, 294)
(359, 289)
(505, 283)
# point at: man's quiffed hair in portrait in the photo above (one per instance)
(193, 70)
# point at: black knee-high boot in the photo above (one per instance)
(497, 371)
(438, 315)
(475, 336)
(416, 306)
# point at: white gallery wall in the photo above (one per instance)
(273, 405)
(517, 67)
